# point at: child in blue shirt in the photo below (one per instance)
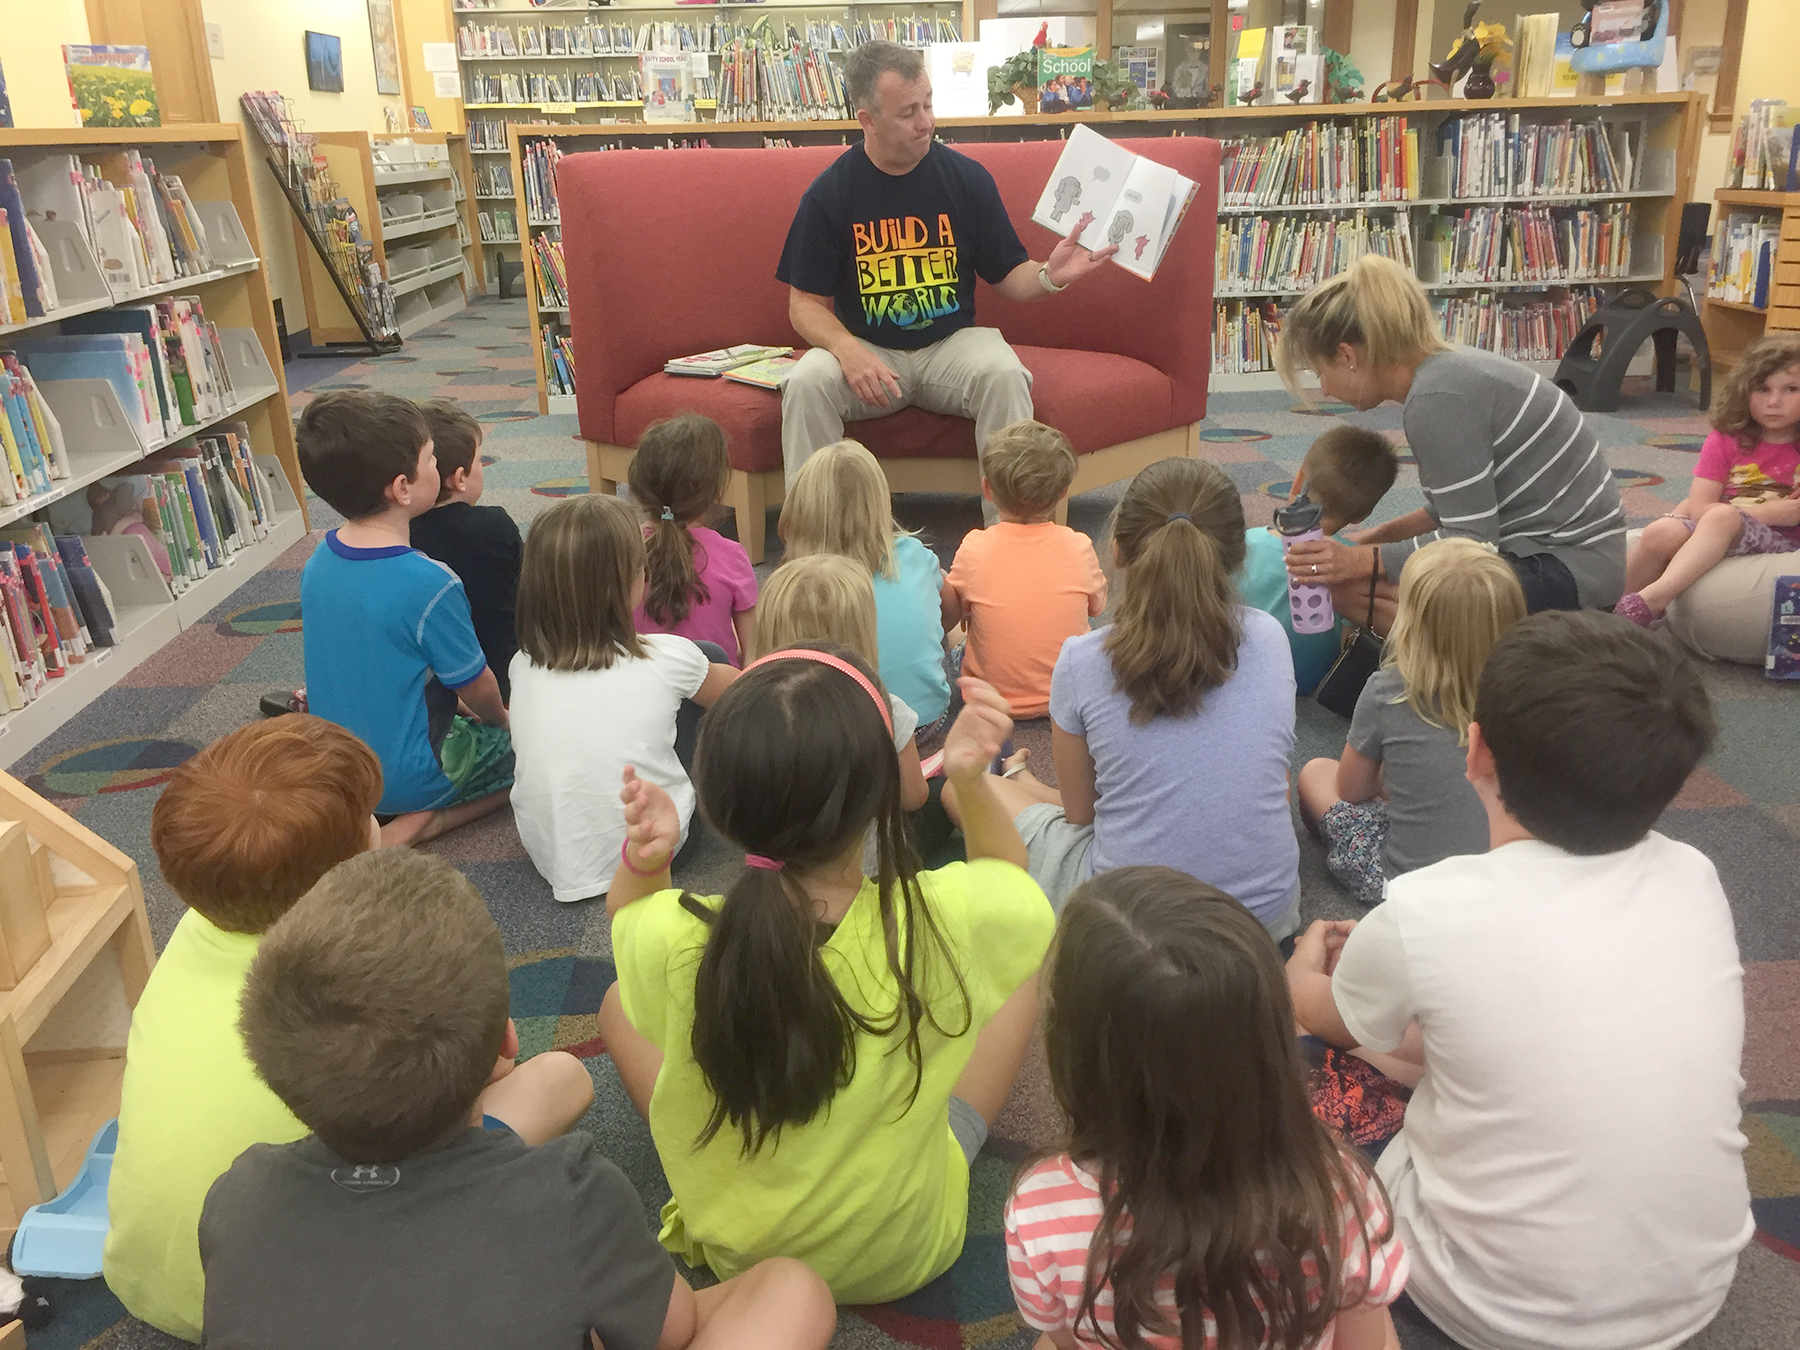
(1346, 471)
(391, 651)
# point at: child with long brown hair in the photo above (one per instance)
(1171, 727)
(591, 694)
(1399, 798)
(1197, 1202)
(1742, 500)
(697, 583)
(819, 1054)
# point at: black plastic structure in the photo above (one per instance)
(1621, 326)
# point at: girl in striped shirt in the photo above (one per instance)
(1199, 1205)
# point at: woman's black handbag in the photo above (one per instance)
(1360, 658)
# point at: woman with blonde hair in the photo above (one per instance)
(1504, 457)
(1172, 726)
(1398, 800)
(839, 503)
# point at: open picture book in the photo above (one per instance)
(711, 365)
(1116, 197)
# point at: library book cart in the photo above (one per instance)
(1428, 182)
(75, 953)
(150, 609)
(1732, 325)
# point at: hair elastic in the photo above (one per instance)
(766, 864)
(667, 514)
(1174, 516)
(836, 663)
(635, 870)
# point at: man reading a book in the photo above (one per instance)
(881, 262)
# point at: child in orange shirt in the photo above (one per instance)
(1025, 584)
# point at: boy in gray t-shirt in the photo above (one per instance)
(376, 1009)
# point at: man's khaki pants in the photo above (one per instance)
(972, 373)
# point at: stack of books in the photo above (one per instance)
(1499, 155)
(538, 161)
(1270, 254)
(1244, 337)
(1322, 164)
(1744, 246)
(54, 611)
(1491, 244)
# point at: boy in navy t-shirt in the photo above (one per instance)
(390, 649)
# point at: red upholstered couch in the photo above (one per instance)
(674, 251)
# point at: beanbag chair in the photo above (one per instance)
(1725, 615)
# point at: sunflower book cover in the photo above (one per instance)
(112, 86)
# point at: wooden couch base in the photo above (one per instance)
(751, 494)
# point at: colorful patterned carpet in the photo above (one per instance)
(1742, 809)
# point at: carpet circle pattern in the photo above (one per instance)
(1677, 442)
(509, 415)
(1639, 478)
(1233, 434)
(280, 616)
(561, 487)
(115, 766)
(1325, 407)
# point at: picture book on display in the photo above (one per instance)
(1065, 79)
(710, 365)
(112, 86)
(770, 374)
(1115, 197)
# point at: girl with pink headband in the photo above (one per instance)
(819, 1054)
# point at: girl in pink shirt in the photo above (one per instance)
(698, 583)
(1743, 499)
(1225, 1214)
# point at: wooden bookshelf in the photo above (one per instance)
(464, 164)
(63, 1025)
(213, 162)
(1672, 125)
(1731, 325)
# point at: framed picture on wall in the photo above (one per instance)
(324, 63)
(386, 43)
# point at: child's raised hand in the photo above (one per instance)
(652, 824)
(979, 731)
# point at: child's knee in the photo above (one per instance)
(1663, 536)
(1721, 516)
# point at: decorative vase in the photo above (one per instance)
(1480, 83)
(1027, 95)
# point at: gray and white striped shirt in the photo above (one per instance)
(1506, 458)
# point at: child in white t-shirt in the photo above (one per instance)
(1571, 1170)
(590, 694)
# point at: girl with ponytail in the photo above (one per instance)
(1171, 727)
(697, 583)
(819, 1054)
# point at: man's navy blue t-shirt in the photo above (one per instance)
(899, 253)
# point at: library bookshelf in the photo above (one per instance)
(408, 195)
(212, 162)
(1732, 325)
(1665, 127)
(77, 955)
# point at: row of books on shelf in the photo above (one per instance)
(1531, 243)
(909, 30)
(531, 39)
(587, 86)
(1503, 155)
(194, 507)
(497, 227)
(1292, 253)
(537, 162)
(493, 180)
(762, 82)
(559, 361)
(1538, 329)
(1329, 163)
(1765, 151)
(1744, 247)
(487, 133)
(552, 277)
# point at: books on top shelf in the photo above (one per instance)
(1500, 155)
(711, 365)
(1261, 254)
(1765, 152)
(1329, 163)
(1743, 257)
(559, 360)
(1113, 196)
(1532, 243)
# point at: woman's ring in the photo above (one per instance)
(1315, 568)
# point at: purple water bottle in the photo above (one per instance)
(1308, 603)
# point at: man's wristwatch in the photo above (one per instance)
(1044, 280)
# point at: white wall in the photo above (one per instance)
(32, 34)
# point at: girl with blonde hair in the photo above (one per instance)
(839, 503)
(1504, 457)
(1399, 799)
(1171, 727)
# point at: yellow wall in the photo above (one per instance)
(423, 21)
(264, 49)
(32, 34)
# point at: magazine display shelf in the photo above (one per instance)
(212, 161)
(408, 196)
(1733, 325)
(78, 954)
(1670, 124)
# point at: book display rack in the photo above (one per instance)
(1755, 282)
(149, 463)
(1514, 212)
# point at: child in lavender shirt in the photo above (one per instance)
(698, 583)
(1172, 727)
